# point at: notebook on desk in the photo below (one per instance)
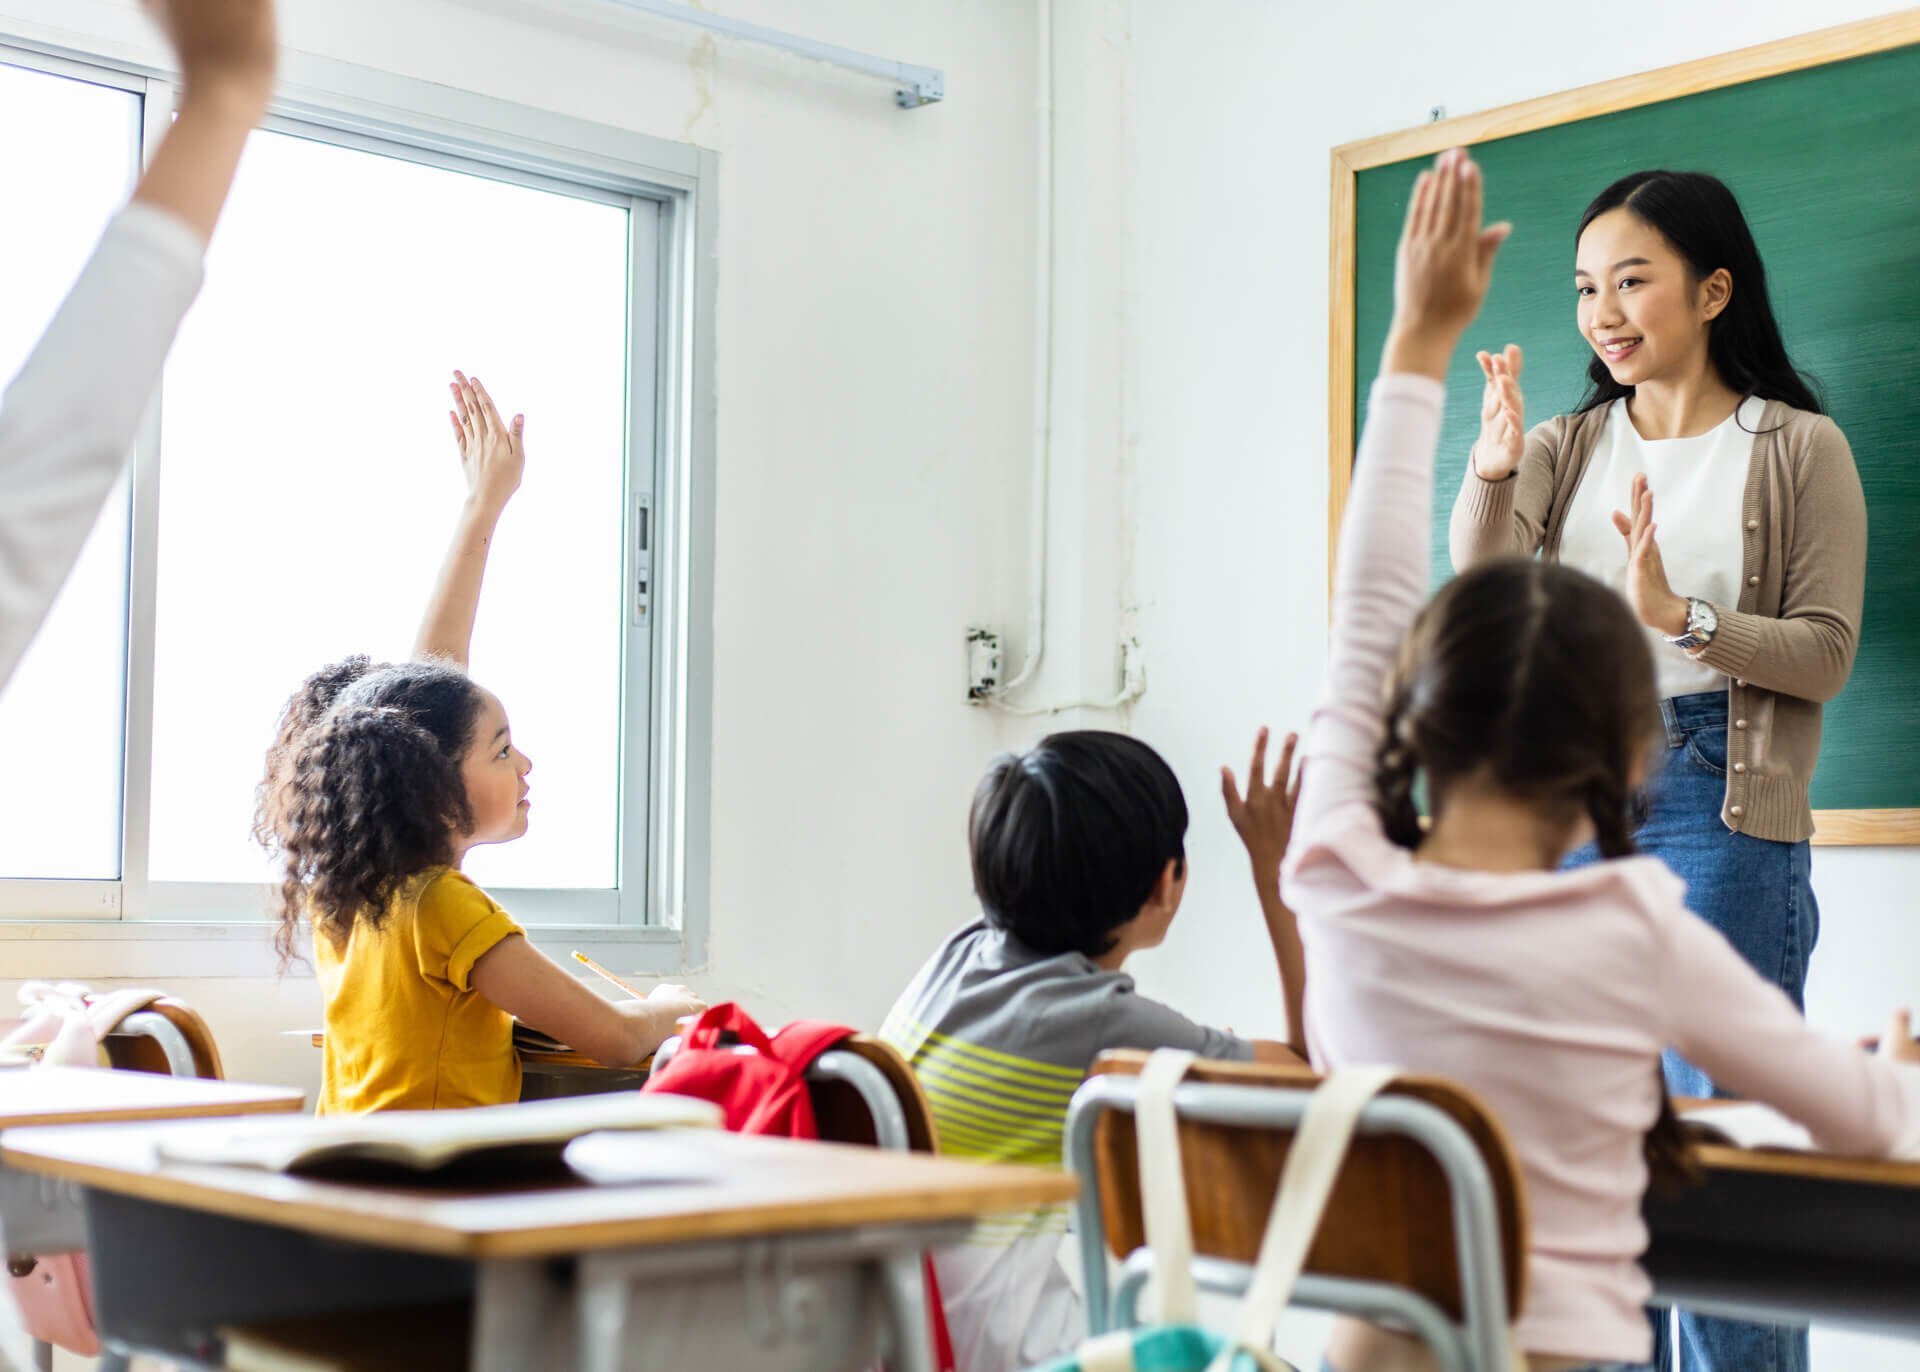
(1747, 1124)
(419, 1143)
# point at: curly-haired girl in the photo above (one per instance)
(381, 779)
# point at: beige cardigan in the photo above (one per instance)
(1787, 646)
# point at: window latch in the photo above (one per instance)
(642, 558)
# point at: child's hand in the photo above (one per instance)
(657, 1018)
(1897, 1042)
(675, 1003)
(492, 453)
(1443, 267)
(1264, 819)
(226, 47)
(1503, 415)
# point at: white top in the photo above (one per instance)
(68, 420)
(1548, 994)
(1699, 485)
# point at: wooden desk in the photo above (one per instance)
(46, 1219)
(95, 1095)
(764, 1253)
(1793, 1236)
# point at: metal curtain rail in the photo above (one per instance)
(917, 85)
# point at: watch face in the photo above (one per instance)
(1701, 619)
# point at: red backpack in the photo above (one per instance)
(761, 1084)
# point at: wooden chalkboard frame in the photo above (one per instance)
(1882, 34)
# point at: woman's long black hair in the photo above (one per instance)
(1698, 215)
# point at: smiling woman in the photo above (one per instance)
(1751, 594)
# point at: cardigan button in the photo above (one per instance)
(1753, 581)
(1739, 766)
(1739, 681)
(1739, 724)
(1753, 523)
(1736, 812)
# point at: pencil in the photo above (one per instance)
(628, 987)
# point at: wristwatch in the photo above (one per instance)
(1702, 624)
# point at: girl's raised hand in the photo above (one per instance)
(1503, 415)
(492, 453)
(1443, 267)
(224, 46)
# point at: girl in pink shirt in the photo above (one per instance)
(1522, 695)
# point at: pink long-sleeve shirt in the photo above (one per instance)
(1550, 994)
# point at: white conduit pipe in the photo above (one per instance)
(916, 85)
(1134, 684)
(1043, 364)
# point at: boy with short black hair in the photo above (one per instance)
(1079, 860)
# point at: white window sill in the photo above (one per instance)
(168, 950)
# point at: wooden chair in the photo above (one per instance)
(167, 1037)
(1425, 1229)
(865, 1092)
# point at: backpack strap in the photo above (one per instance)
(1163, 1184)
(799, 1043)
(725, 1018)
(1306, 1182)
(106, 1009)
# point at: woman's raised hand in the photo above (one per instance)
(492, 453)
(1647, 590)
(1503, 415)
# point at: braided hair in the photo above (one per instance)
(1535, 679)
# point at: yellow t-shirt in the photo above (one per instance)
(405, 1028)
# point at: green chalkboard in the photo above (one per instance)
(1826, 164)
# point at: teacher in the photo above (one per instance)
(1750, 583)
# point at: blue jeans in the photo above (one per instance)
(1760, 895)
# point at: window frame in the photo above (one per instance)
(658, 912)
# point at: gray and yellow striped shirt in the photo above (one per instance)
(1001, 1035)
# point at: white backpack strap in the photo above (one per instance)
(1163, 1185)
(1107, 1352)
(1306, 1181)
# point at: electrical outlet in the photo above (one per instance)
(983, 664)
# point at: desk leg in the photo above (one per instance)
(907, 1303)
(39, 1214)
(793, 1303)
(519, 1316)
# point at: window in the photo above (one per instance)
(60, 819)
(292, 504)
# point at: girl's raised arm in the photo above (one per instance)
(1442, 269)
(70, 416)
(492, 456)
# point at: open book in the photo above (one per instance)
(528, 1135)
(1746, 1124)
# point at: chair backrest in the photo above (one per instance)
(1390, 1218)
(842, 1111)
(137, 1043)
